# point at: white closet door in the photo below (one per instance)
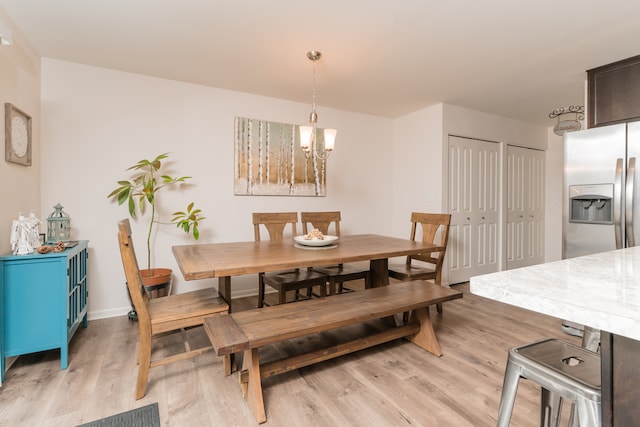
(458, 256)
(474, 201)
(525, 207)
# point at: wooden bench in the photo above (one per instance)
(247, 331)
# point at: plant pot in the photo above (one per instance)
(157, 281)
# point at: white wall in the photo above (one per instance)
(20, 86)
(554, 163)
(473, 124)
(97, 122)
(417, 166)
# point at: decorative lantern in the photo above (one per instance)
(58, 226)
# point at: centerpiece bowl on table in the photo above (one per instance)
(326, 241)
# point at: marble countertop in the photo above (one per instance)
(600, 290)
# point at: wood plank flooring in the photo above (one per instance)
(394, 384)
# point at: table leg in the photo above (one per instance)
(224, 289)
(379, 272)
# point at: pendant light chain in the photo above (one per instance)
(315, 91)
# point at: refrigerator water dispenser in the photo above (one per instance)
(592, 204)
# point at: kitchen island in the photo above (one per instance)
(601, 291)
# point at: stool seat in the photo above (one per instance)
(560, 367)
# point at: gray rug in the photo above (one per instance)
(146, 416)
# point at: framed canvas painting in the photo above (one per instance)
(269, 161)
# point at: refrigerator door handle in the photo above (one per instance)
(630, 193)
(617, 204)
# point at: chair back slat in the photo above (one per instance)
(275, 223)
(434, 229)
(322, 221)
(132, 274)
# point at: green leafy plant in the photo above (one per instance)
(141, 191)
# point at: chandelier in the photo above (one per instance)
(5, 35)
(308, 134)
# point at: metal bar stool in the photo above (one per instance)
(551, 402)
(561, 368)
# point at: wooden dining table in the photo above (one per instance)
(225, 260)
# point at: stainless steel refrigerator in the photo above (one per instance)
(601, 184)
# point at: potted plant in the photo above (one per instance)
(140, 194)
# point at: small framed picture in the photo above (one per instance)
(43, 238)
(17, 135)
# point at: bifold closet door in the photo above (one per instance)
(474, 201)
(525, 207)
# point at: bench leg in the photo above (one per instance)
(251, 384)
(426, 337)
(229, 364)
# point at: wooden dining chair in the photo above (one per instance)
(284, 281)
(428, 266)
(172, 313)
(340, 273)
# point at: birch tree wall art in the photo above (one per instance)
(269, 161)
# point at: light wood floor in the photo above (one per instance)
(393, 384)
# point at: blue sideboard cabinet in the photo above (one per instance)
(43, 300)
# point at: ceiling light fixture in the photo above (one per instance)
(309, 134)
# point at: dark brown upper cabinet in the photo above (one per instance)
(614, 93)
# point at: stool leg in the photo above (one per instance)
(573, 419)
(508, 397)
(550, 408)
(591, 339)
(589, 413)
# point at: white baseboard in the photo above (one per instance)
(105, 314)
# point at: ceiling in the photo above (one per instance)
(387, 58)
